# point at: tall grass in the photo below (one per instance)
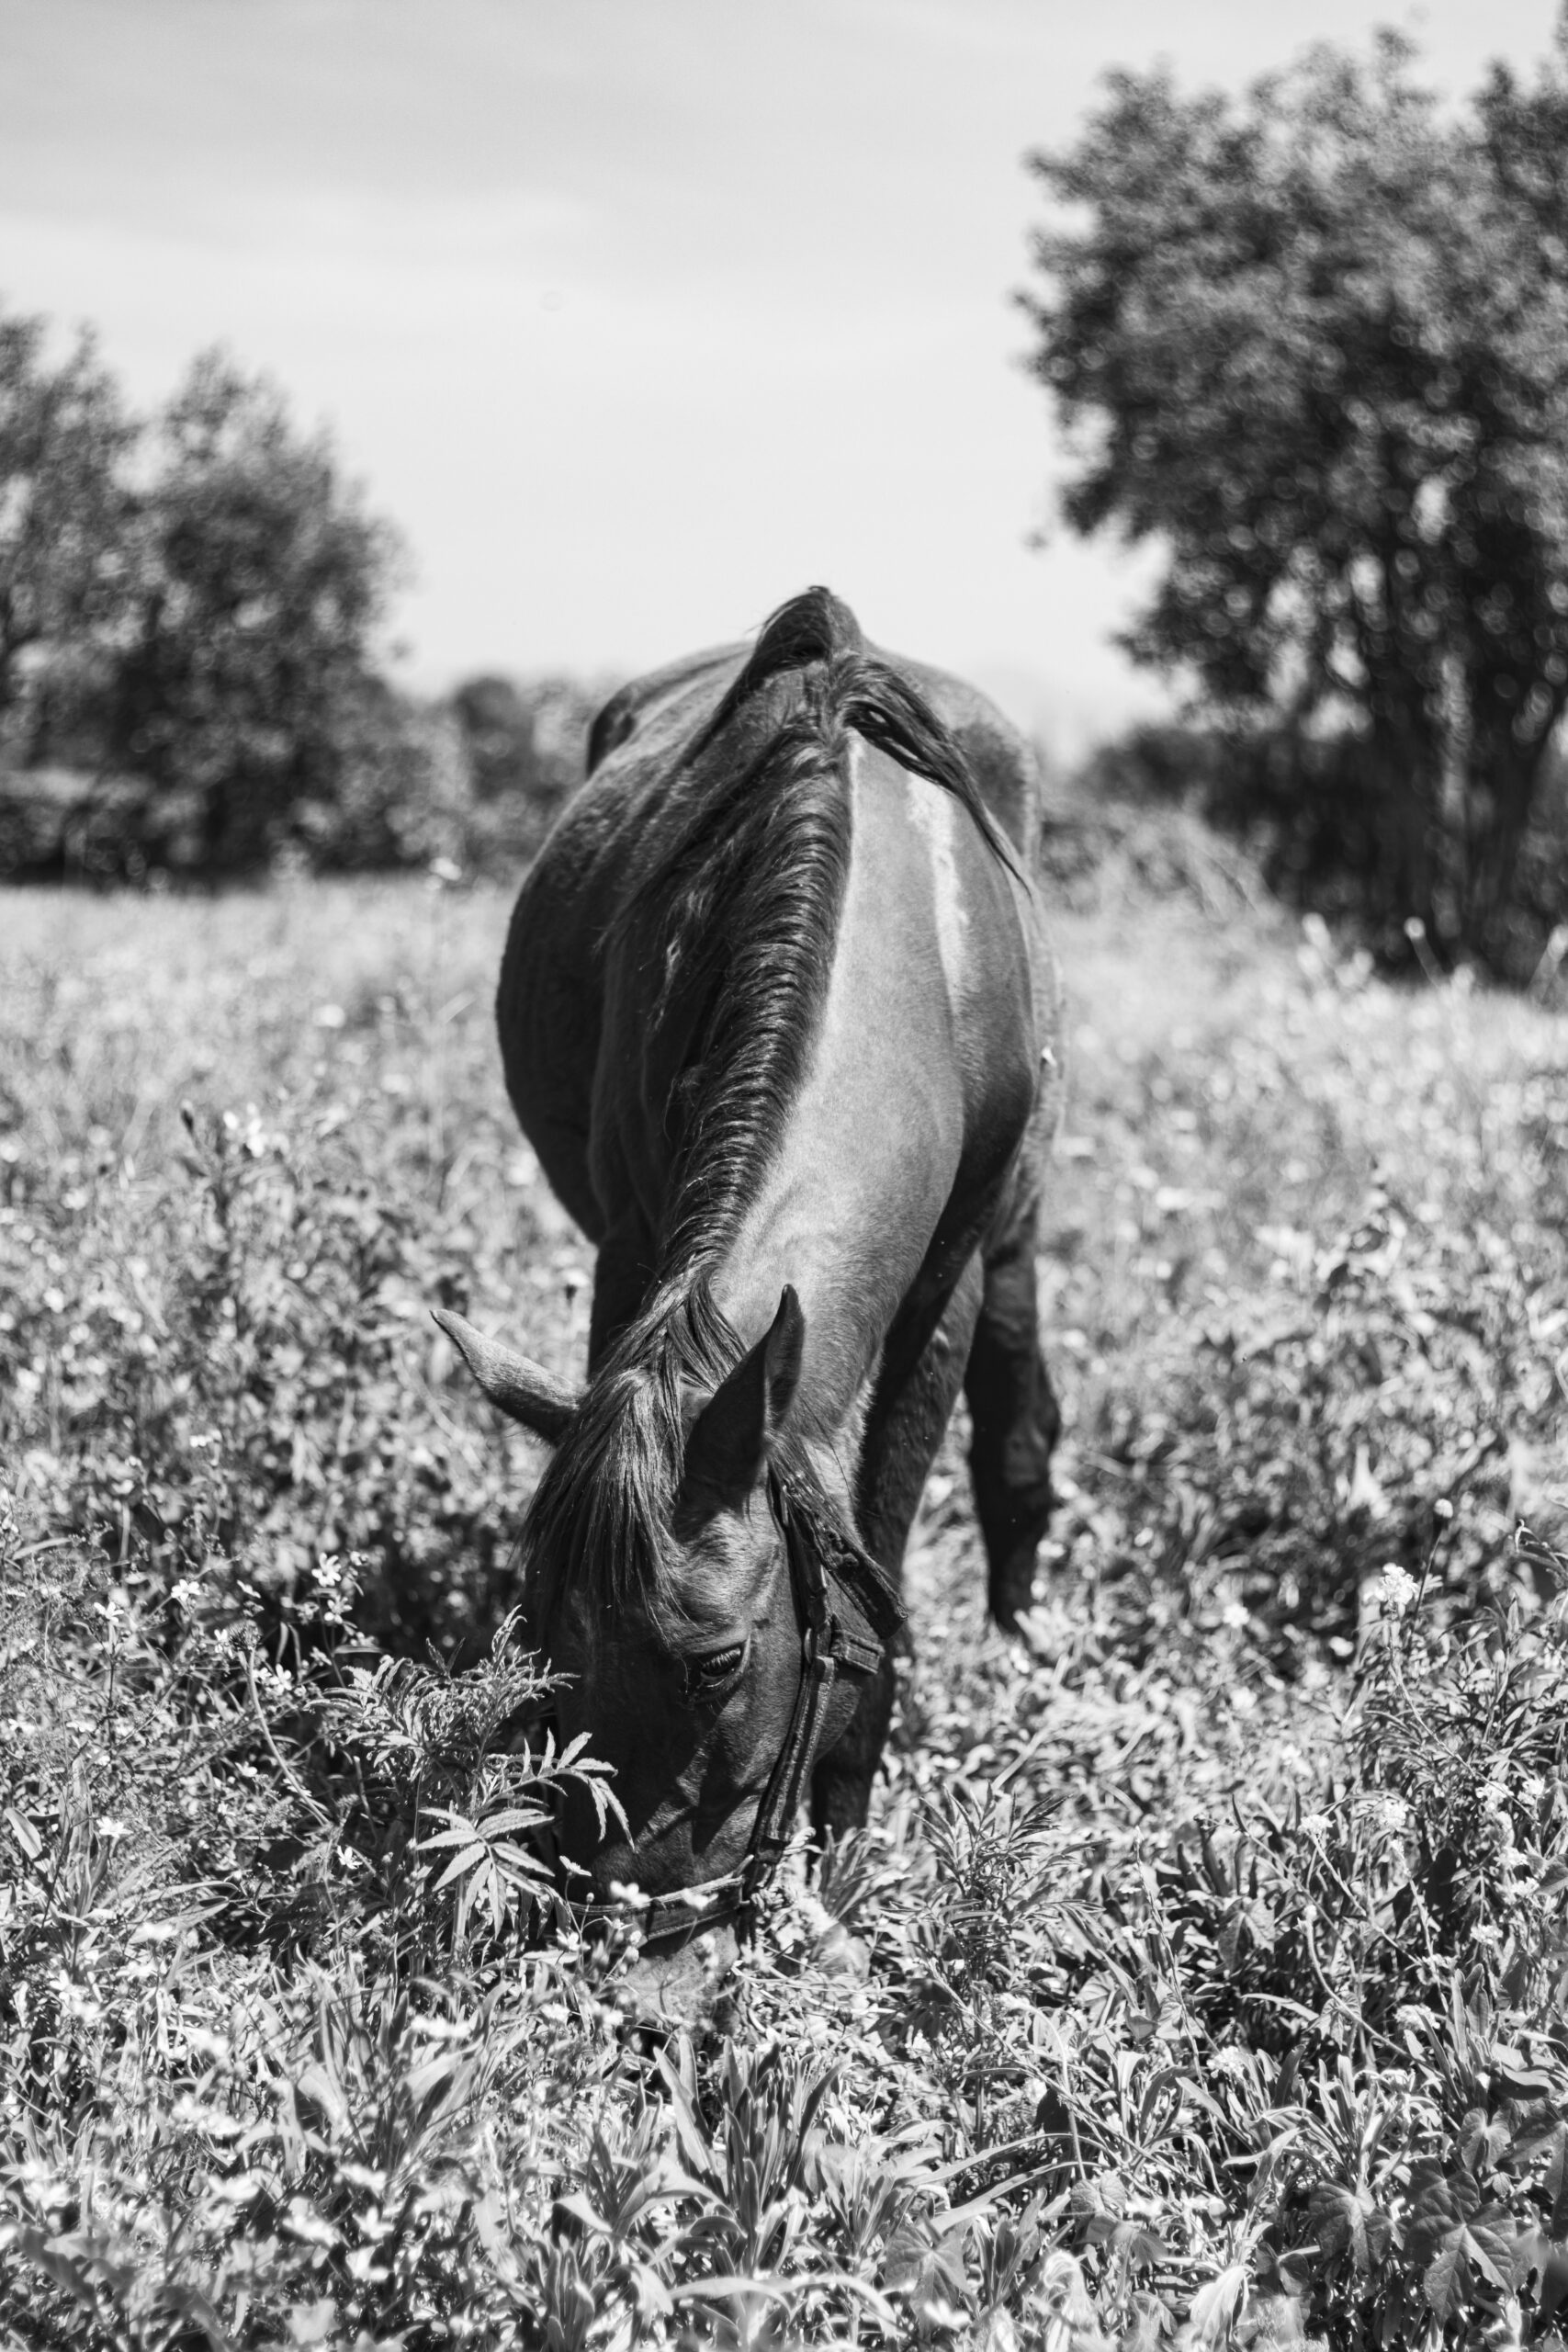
(1200, 1975)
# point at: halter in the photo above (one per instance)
(848, 1616)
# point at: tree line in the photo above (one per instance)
(189, 610)
(1312, 344)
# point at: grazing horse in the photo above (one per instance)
(778, 1017)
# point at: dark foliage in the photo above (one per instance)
(65, 511)
(1314, 344)
(188, 623)
(1311, 811)
(258, 583)
(525, 746)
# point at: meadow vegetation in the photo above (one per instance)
(1213, 1938)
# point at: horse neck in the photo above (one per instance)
(870, 1145)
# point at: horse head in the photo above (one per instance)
(712, 1617)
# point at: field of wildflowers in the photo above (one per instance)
(1214, 1938)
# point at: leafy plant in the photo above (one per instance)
(1198, 1975)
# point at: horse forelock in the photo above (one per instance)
(599, 1526)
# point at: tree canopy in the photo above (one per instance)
(190, 603)
(1315, 344)
(259, 578)
(64, 505)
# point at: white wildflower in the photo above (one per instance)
(1316, 1825)
(1384, 1811)
(1398, 1589)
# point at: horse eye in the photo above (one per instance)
(707, 1673)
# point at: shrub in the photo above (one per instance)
(1313, 814)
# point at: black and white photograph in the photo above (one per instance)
(783, 1176)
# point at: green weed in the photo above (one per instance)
(1200, 1975)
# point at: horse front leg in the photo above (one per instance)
(922, 1373)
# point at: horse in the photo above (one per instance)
(778, 1015)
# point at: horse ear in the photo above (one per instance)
(524, 1391)
(731, 1436)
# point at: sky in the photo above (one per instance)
(637, 316)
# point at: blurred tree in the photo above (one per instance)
(260, 579)
(63, 504)
(498, 731)
(526, 742)
(1316, 344)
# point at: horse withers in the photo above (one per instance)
(778, 1017)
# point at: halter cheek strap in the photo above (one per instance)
(848, 1615)
(837, 1632)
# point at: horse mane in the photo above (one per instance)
(740, 910)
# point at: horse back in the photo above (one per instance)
(568, 924)
(660, 708)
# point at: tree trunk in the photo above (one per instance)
(1504, 774)
(1406, 765)
(13, 638)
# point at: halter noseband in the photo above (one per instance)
(848, 1616)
